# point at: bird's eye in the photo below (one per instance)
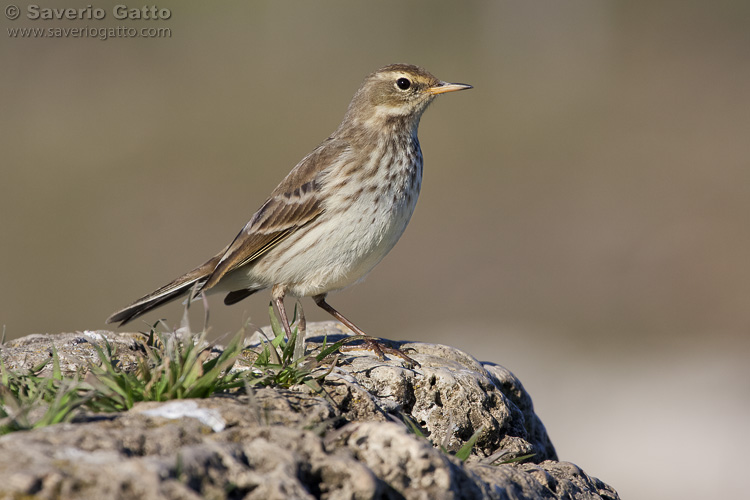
(403, 83)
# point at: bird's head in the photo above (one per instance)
(396, 93)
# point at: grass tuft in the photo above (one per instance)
(29, 400)
(177, 365)
(285, 362)
(170, 369)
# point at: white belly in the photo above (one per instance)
(341, 246)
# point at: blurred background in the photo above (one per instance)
(584, 217)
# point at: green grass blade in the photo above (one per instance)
(463, 453)
(56, 372)
(275, 325)
(413, 427)
(517, 459)
(327, 351)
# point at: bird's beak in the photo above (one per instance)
(444, 87)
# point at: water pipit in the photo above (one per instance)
(335, 215)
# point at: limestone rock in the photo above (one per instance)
(292, 443)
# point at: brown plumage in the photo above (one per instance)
(336, 214)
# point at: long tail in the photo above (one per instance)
(177, 288)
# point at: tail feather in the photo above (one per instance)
(177, 288)
(237, 295)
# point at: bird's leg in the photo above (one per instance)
(277, 294)
(373, 345)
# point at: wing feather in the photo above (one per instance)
(293, 204)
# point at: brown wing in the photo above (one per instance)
(293, 204)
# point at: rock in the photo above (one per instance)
(75, 350)
(293, 443)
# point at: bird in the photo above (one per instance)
(337, 213)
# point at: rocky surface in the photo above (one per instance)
(293, 443)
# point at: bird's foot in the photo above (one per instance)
(380, 350)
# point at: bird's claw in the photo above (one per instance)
(380, 350)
